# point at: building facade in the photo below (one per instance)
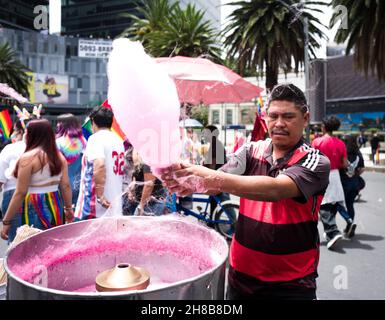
(96, 18)
(356, 99)
(19, 14)
(81, 82)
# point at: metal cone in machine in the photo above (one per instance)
(122, 277)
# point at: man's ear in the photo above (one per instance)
(306, 118)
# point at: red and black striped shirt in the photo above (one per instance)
(278, 242)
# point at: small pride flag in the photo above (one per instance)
(87, 127)
(5, 123)
(260, 104)
(115, 126)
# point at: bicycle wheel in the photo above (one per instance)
(226, 219)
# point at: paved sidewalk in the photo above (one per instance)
(369, 166)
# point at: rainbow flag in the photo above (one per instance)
(260, 104)
(87, 127)
(115, 126)
(5, 123)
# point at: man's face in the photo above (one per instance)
(285, 123)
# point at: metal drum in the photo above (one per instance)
(185, 260)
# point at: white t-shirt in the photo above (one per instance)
(106, 145)
(8, 159)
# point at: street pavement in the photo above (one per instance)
(355, 270)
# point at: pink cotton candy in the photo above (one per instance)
(145, 103)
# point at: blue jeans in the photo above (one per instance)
(16, 221)
(351, 191)
(344, 213)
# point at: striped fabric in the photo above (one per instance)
(43, 210)
(277, 241)
(86, 204)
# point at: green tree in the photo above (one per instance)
(12, 71)
(365, 33)
(149, 17)
(201, 113)
(169, 30)
(266, 35)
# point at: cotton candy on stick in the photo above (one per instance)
(145, 103)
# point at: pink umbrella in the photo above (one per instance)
(8, 91)
(200, 80)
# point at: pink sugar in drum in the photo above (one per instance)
(185, 260)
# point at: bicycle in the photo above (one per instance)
(223, 218)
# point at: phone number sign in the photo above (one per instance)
(94, 48)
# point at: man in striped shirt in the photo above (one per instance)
(281, 181)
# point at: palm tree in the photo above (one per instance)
(186, 33)
(12, 71)
(266, 35)
(149, 17)
(365, 34)
(168, 30)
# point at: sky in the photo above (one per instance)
(323, 17)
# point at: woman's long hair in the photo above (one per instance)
(68, 125)
(41, 135)
(351, 145)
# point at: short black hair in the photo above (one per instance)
(289, 92)
(331, 123)
(102, 117)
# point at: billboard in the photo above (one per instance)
(48, 88)
(88, 48)
(361, 121)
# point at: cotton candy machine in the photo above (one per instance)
(184, 260)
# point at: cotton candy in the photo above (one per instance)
(145, 103)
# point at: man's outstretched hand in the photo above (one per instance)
(185, 179)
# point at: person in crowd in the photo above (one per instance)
(335, 149)
(42, 182)
(214, 159)
(71, 143)
(196, 148)
(375, 145)
(188, 146)
(281, 180)
(146, 194)
(350, 177)
(128, 163)
(102, 167)
(8, 159)
(361, 140)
